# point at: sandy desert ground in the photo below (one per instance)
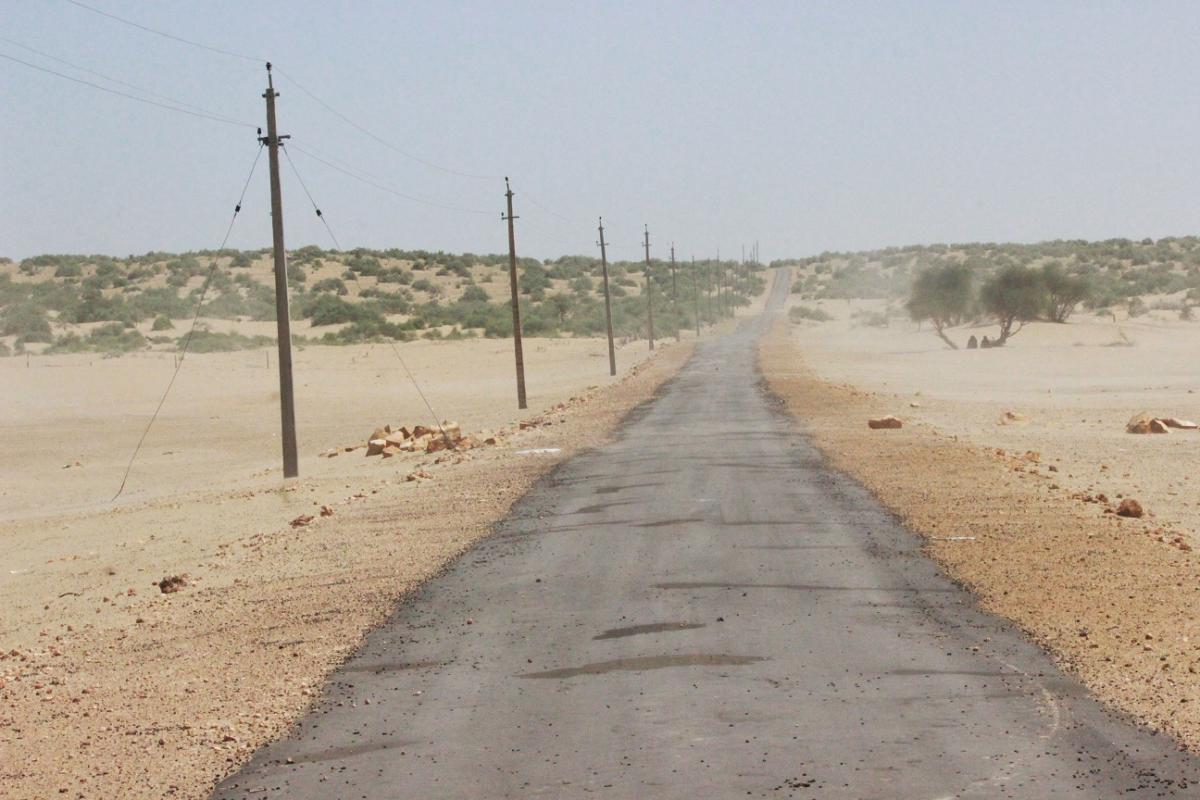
(1076, 385)
(111, 688)
(1022, 512)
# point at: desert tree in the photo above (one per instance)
(942, 295)
(1014, 295)
(1063, 292)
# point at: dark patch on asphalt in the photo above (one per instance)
(338, 753)
(645, 663)
(613, 489)
(792, 547)
(664, 523)
(977, 673)
(596, 509)
(656, 627)
(395, 666)
(795, 587)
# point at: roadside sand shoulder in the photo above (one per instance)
(1114, 600)
(170, 692)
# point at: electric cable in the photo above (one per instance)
(354, 276)
(365, 131)
(164, 34)
(383, 187)
(111, 79)
(195, 318)
(202, 115)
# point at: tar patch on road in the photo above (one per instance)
(645, 663)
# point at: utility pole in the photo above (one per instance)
(283, 321)
(696, 296)
(649, 293)
(675, 295)
(516, 306)
(612, 351)
(708, 290)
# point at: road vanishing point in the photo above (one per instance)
(705, 609)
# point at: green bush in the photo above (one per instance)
(798, 313)
(162, 323)
(209, 342)
(27, 322)
(332, 310)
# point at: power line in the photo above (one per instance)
(195, 318)
(382, 187)
(164, 34)
(303, 186)
(380, 139)
(354, 277)
(111, 79)
(200, 114)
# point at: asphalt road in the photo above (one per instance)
(703, 609)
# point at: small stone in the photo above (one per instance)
(1130, 508)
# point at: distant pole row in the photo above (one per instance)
(272, 140)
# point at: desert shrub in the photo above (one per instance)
(798, 313)
(533, 278)
(474, 294)
(112, 337)
(162, 323)
(1063, 292)
(1013, 295)
(335, 285)
(364, 265)
(941, 295)
(395, 275)
(94, 306)
(332, 310)
(159, 302)
(368, 330)
(424, 285)
(203, 341)
(27, 322)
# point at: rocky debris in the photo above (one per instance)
(380, 433)
(326, 511)
(1145, 422)
(375, 446)
(888, 422)
(1012, 418)
(301, 521)
(72, 465)
(172, 583)
(412, 476)
(332, 453)
(1130, 508)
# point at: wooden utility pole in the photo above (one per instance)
(516, 305)
(612, 350)
(675, 295)
(283, 322)
(696, 296)
(649, 293)
(708, 290)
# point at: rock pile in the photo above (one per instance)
(1146, 422)
(388, 441)
(884, 423)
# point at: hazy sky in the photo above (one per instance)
(807, 126)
